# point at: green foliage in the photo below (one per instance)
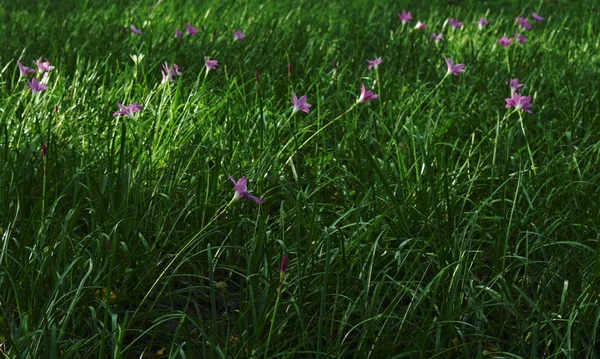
(430, 222)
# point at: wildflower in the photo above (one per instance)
(366, 96)
(169, 73)
(135, 30)
(482, 23)
(43, 66)
(284, 263)
(520, 38)
(128, 111)
(241, 190)
(210, 64)
(300, 104)
(536, 17)
(137, 58)
(178, 33)
(420, 26)
(519, 102)
(36, 86)
(455, 24)
(437, 37)
(404, 17)
(523, 23)
(454, 69)
(514, 85)
(191, 30)
(24, 70)
(239, 35)
(373, 64)
(504, 41)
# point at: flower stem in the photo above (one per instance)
(527, 143)
(279, 289)
(315, 134)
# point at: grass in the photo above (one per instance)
(430, 222)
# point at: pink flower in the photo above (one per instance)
(128, 111)
(36, 86)
(536, 17)
(135, 30)
(454, 69)
(191, 30)
(455, 24)
(514, 85)
(300, 104)
(404, 17)
(284, 264)
(437, 37)
(366, 96)
(523, 23)
(483, 23)
(24, 70)
(169, 73)
(210, 64)
(504, 41)
(178, 33)
(420, 26)
(239, 35)
(373, 64)
(519, 102)
(241, 190)
(520, 38)
(43, 66)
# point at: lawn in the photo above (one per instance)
(219, 179)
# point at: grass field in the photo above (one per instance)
(428, 222)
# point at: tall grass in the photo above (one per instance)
(430, 222)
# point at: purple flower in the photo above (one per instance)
(36, 86)
(128, 111)
(241, 190)
(284, 263)
(520, 38)
(191, 30)
(437, 37)
(366, 96)
(373, 64)
(24, 70)
(420, 26)
(300, 103)
(239, 35)
(404, 16)
(178, 33)
(536, 17)
(523, 23)
(43, 66)
(455, 24)
(210, 64)
(483, 23)
(135, 30)
(519, 102)
(514, 85)
(504, 41)
(454, 69)
(169, 73)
